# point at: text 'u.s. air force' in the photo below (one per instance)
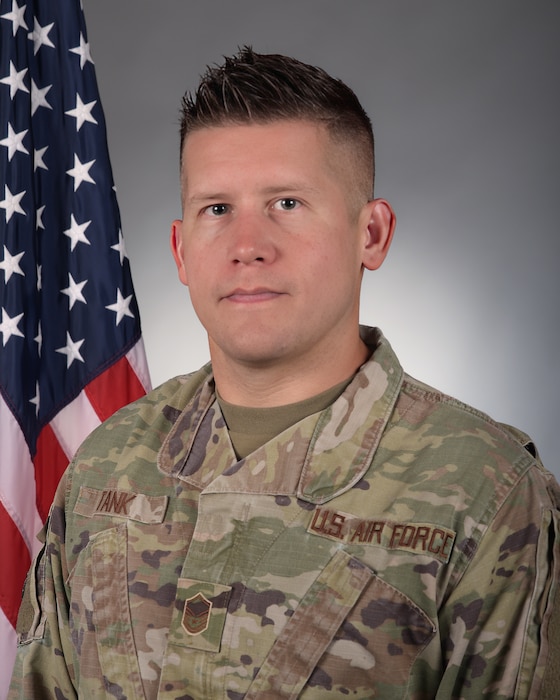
(421, 538)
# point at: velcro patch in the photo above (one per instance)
(196, 614)
(420, 538)
(199, 614)
(124, 504)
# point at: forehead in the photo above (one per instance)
(278, 146)
(263, 136)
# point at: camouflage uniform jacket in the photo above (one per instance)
(398, 544)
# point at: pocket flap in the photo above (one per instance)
(312, 628)
(200, 614)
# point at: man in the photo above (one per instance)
(299, 519)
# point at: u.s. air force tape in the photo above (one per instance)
(420, 538)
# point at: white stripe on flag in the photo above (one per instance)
(17, 480)
(74, 423)
(137, 360)
(8, 641)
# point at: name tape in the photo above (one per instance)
(123, 504)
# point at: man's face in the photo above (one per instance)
(268, 247)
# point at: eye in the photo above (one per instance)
(216, 209)
(287, 204)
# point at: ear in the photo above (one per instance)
(378, 224)
(176, 242)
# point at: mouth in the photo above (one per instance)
(251, 296)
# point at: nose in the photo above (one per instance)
(251, 240)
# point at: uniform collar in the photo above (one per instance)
(315, 460)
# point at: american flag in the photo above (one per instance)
(70, 346)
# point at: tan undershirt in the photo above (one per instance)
(250, 428)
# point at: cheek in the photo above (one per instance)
(334, 256)
(200, 301)
(195, 262)
(197, 281)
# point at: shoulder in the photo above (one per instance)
(470, 446)
(455, 422)
(164, 402)
(137, 430)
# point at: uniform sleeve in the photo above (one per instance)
(42, 667)
(499, 641)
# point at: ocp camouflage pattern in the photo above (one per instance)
(397, 545)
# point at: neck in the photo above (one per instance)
(271, 384)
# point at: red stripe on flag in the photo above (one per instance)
(116, 386)
(50, 462)
(16, 560)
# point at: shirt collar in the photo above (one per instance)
(315, 460)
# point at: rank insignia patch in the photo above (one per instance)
(196, 614)
(199, 614)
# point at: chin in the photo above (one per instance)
(256, 359)
(254, 352)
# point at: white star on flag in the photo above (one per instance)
(15, 80)
(36, 400)
(40, 36)
(38, 161)
(11, 203)
(71, 350)
(16, 17)
(9, 326)
(76, 232)
(83, 52)
(119, 247)
(14, 142)
(82, 112)
(80, 172)
(120, 307)
(74, 291)
(39, 339)
(10, 264)
(38, 97)
(39, 218)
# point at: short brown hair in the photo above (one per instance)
(260, 88)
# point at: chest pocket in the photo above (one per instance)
(351, 635)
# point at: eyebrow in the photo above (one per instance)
(206, 197)
(287, 187)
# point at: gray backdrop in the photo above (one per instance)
(464, 97)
